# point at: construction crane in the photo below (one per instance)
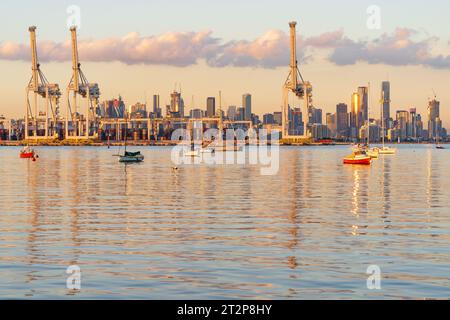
(79, 87)
(295, 84)
(40, 87)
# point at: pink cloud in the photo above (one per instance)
(270, 50)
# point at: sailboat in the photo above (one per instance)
(130, 157)
(438, 143)
(384, 149)
(28, 153)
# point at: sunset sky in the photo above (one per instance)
(138, 48)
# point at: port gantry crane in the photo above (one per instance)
(79, 87)
(39, 86)
(295, 83)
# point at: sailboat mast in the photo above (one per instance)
(368, 115)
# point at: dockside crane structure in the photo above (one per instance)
(40, 87)
(78, 126)
(297, 85)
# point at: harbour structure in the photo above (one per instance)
(297, 85)
(40, 123)
(78, 125)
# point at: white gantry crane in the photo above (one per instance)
(40, 87)
(78, 126)
(295, 83)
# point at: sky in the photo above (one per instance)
(138, 48)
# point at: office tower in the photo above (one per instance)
(402, 124)
(318, 116)
(386, 102)
(232, 113)
(176, 105)
(342, 120)
(241, 114)
(156, 106)
(268, 118)
(278, 118)
(296, 121)
(363, 93)
(356, 120)
(196, 114)
(433, 118)
(247, 104)
(412, 123)
(211, 107)
(331, 124)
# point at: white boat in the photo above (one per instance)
(384, 149)
(373, 153)
(387, 150)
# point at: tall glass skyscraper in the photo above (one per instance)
(247, 104)
(386, 102)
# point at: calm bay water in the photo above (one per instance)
(204, 232)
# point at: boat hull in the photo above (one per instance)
(131, 159)
(366, 161)
(27, 155)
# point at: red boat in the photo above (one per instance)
(27, 153)
(358, 157)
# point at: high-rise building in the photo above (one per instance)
(176, 105)
(247, 104)
(412, 124)
(278, 118)
(211, 107)
(356, 119)
(156, 106)
(296, 122)
(332, 124)
(268, 118)
(433, 118)
(232, 113)
(342, 120)
(386, 102)
(363, 93)
(196, 114)
(402, 124)
(240, 114)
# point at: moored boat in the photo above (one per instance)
(387, 150)
(358, 157)
(131, 157)
(27, 153)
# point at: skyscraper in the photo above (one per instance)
(231, 114)
(342, 120)
(156, 106)
(363, 93)
(247, 105)
(211, 107)
(402, 124)
(176, 104)
(356, 119)
(433, 118)
(386, 102)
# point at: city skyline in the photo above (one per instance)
(235, 74)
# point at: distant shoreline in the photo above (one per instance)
(166, 144)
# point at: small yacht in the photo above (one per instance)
(358, 157)
(131, 157)
(28, 153)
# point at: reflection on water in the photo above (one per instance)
(147, 231)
